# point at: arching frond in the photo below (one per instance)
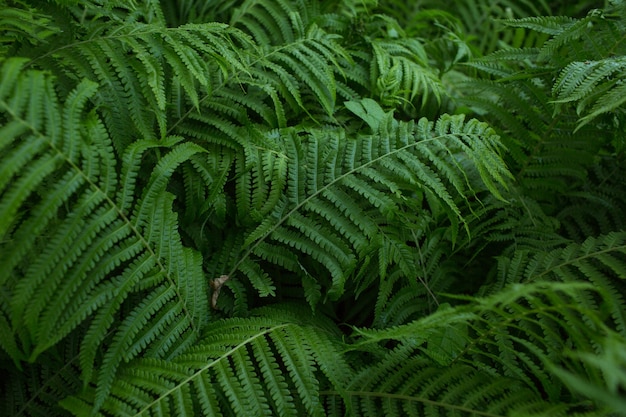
(601, 261)
(306, 64)
(400, 165)
(273, 22)
(610, 362)
(106, 243)
(271, 364)
(464, 360)
(548, 151)
(588, 52)
(138, 65)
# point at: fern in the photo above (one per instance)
(286, 207)
(605, 362)
(104, 243)
(597, 260)
(478, 18)
(591, 71)
(595, 209)
(19, 23)
(113, 59)
(400, 72)
(452, 361)
(320, 217)
(262, 365)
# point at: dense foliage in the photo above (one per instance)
(294, 207)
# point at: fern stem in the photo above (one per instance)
(423, 265)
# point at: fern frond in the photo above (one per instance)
(20, 23)
(596, 210)
(270, 23)
(322, 218)
(265, 365)
(495, 64)
(308, 62)
(551, 154)
(610, 102)
(481, 20)
(106, 242)
(578, 79)
(588, 54)
(167, 166)
(610, 362)
(509, 337)
(601, 261)
(416, 387)
(593, 84)
(136, 65)
(551, 25)
(568, 32)
(35, 389)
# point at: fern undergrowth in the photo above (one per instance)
(290, 207)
